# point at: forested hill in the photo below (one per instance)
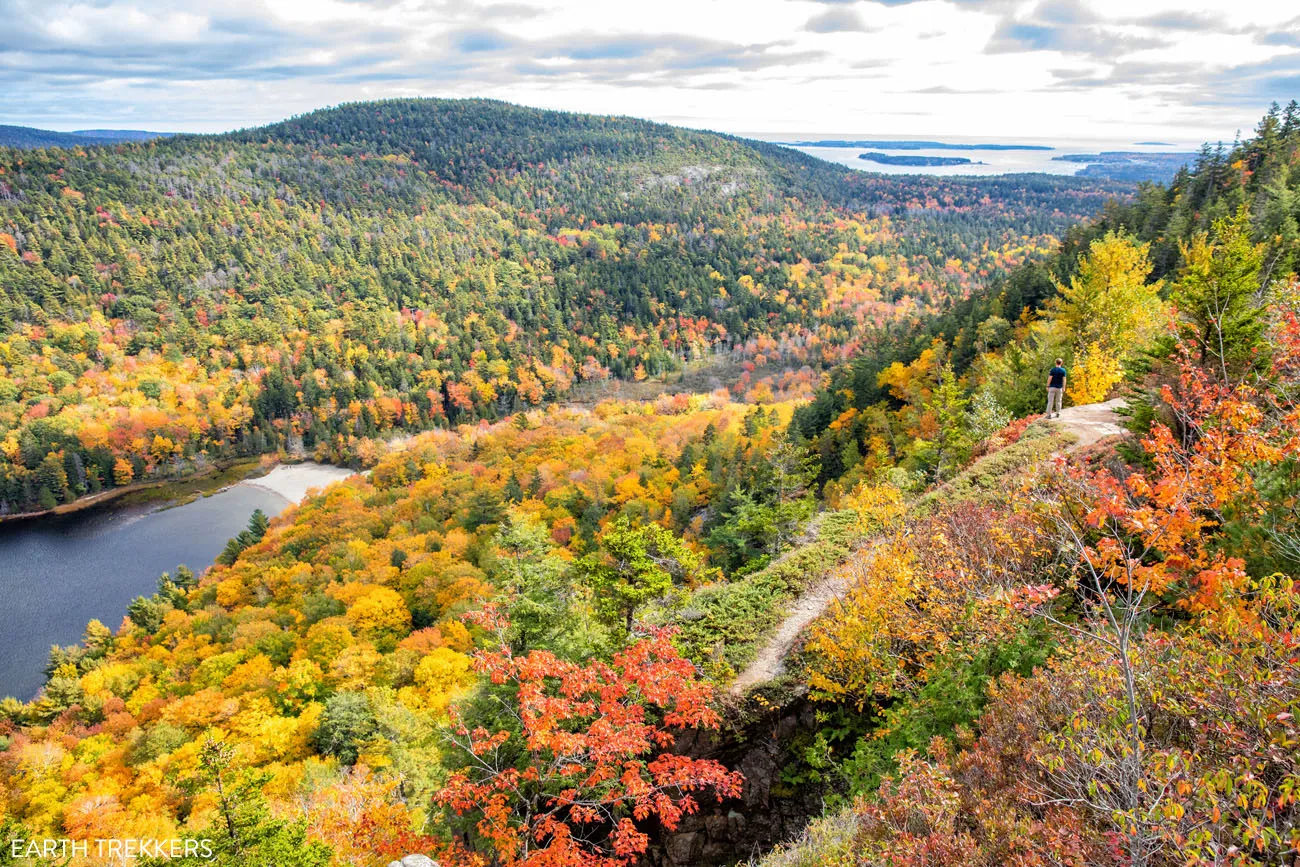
(484, 145)
(319, 283)
(1258, 174)
(30, 137)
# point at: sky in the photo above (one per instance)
(1109, 69)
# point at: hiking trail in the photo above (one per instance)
(1089, 423)
(1092, 422)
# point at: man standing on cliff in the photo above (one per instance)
(1055, 388)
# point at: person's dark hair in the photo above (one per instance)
(1060, 361)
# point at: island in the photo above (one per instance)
(1130, 165)
(901, 160)
(916, 145)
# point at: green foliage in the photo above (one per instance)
(485, 507)
(258, 523)
(160, 740)
(720, 626)
(754, 532)
(1217, 294)
(244, 831)
(949, 702)
(146, 613)
(985, 416)
(317, 606)
(1265, 534)
(1017, 375)
(347, 724)
(543, 603)
(11, 830)
(636, 564)
(257, 527)
(766, 508)
(950, 447)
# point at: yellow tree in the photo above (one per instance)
(123, 472)
(928, 588)
(1106, 313)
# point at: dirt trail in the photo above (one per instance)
(1089, 423)
(771, 657)
(1092, 422)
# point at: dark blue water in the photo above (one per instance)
(58, 574)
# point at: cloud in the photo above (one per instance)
(981, 5)
(137, 42)
(1246, 86)
(510, 10)
(1148, 75)
(952, 91)
(1069, 27)
(1286, 35)
(657, 56)
(231, 47)
(213, 64)
(1178, 19)
(837, 21)
(1257, 84)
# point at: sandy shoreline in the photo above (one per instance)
(293, 481)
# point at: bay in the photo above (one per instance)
(984, 162)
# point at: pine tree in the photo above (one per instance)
(1218, 296)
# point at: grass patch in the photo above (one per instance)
(987, 479)
(720, 624)
(189, 489)
(827, 842)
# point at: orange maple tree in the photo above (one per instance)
(591, 757)
(1151, 531)
(1149, 538)
(1143, 741)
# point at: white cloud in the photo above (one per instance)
(1009, 67)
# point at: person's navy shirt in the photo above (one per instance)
(1057, 375)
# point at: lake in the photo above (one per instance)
(57, 574)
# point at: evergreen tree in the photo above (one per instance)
(1218, 295)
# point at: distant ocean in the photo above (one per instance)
(994, 162)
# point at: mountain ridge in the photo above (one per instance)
(35, 137)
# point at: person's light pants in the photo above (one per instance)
(1054, 400)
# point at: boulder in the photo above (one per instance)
(685, 848)
(735, 825)
(414, 861)
(716, 825)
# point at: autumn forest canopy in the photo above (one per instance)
(708, 507)
(320, 284)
